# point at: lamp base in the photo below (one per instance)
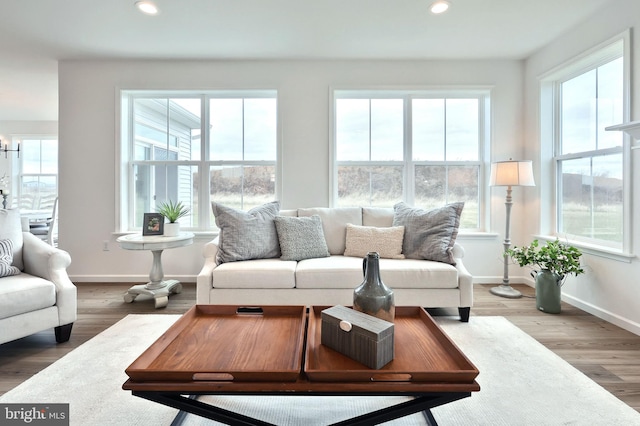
(506, 290)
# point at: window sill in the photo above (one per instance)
(596, 250)
(477, 235)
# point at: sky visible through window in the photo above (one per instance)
(591, 102)
(240, 129)
(373, 130)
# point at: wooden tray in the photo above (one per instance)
(227, 343)
(423, 353)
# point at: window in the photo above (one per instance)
(588, 160)
(423, 147)
(38, 179)
(194, 149)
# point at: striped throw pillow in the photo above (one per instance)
(6, 258)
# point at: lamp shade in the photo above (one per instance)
(512, 173)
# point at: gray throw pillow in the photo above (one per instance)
(6, 258)
(429, 235)
(301, 237)
(247, 235)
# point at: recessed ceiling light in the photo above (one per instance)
(147, 7)
(439, 6)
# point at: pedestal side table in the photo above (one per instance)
(157, 287)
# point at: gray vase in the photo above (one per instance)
(548, 291)
(373, 297)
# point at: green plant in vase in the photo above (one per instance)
(554, 261)
(172, 212)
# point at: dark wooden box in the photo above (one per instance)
(359, 336)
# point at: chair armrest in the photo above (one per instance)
(50, 263)
(204, 280)
(41, 259)
(465, 279)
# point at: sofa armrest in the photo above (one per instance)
(50, 263)
(210, 249)
(465, 279)
(204, 280)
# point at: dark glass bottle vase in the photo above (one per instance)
(373, 297)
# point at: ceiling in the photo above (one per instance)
(35, 34)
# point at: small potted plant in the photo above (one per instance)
(554, 261)
(172, 212)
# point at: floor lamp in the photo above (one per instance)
(509, 173)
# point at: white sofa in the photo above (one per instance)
(331, 280)
(41, 296)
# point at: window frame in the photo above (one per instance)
(125, 188)
(550, 145)
(482, 93)
(22, 175)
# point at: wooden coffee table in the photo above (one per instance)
(276, 350)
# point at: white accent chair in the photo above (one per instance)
(41, 296)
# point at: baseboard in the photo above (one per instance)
(498, 279)
(610, 317)
(603, 314)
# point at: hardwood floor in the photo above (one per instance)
(607, 354)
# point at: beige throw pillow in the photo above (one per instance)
(363, 239)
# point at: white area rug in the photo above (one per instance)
(523, 383)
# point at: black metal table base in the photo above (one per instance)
(191, 405)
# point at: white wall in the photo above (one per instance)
(610, 288)
(88, 139)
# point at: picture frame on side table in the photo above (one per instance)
(153, 224)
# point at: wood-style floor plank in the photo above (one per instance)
(602, 351)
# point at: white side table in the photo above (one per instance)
(157, 287)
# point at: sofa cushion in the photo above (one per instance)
(329, 272)
(377, 216)
(413, 273)
(260, 273)
(24, 293)
(6, 258)
(301, 237)
(387, 242)
(288, 212)
(247, 235)
(11, 229)
(334, 224)
(429, 234)
(346, 272)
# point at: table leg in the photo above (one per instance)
(422, 403)
(156, 275)
(193, 406)
(160, 295)
(428, 416)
